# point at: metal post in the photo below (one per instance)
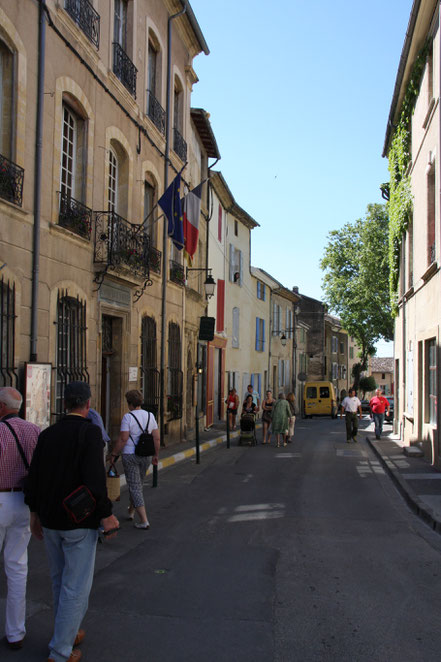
(228, 429)
(198, 454)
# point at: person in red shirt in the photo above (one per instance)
(378, 404)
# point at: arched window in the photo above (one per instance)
(175, 377)
(6, 100)
(149, 372)
(71, 356)
(150, 213)
(154, 109)
(74, 215)
(11, 175)
(8, 375)
(179, 144)
(112, 187)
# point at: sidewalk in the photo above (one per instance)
(418, 482)
(187, 449)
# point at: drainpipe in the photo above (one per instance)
(271, 322)
(165, 233)
(37, 179)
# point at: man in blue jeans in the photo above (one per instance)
(378, 405)
(69, 454)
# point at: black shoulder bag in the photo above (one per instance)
(146, 445)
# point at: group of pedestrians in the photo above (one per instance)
(278, 416)
(351, 408)
(53, 485)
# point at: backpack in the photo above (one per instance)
(146, 445)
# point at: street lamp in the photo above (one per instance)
(209, 283)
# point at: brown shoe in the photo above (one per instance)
(79, 638)
(75, 656)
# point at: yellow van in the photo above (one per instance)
(319, 399)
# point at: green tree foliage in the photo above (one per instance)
(356, 279)
(368, 384)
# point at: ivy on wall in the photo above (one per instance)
(400, 205)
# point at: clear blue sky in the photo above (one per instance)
(299, 95)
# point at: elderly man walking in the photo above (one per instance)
(69, 455)
(18, 439)
(378, 405)
(350, 405)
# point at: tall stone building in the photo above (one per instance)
(95, 122)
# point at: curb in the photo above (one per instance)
(185, 455)
(412, 499)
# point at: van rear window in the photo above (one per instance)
(311, 392)
(324, 391)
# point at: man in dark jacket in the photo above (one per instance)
(69, 454)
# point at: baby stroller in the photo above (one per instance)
(247, 429)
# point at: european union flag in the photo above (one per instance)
(170, 203)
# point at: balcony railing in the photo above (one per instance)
(85, 16)
(119, 244)
(75, 216)
(124, 68)
(179, 145)
(177, 273)
(156, 112)
(11, 181)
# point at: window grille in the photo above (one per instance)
(71, 361)
(175, 376)
(149, 372)
(8, 373)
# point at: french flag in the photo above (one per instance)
(192, 209)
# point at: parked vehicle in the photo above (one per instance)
(365, 407)
(319, 400)
(389, 417)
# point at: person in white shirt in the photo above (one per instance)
(350, 405)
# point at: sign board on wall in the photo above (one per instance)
(37, 398)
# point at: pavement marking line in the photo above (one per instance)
(286, 455)
(422, 476)
(259, 506)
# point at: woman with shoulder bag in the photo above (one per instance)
(134, 424)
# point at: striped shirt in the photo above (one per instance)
(12, 468)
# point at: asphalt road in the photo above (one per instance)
(305, 553)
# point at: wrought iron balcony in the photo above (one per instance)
(179, 145)
(75, 216)
(124, 68)
(11, 181)
(155, 112)
(119, 244)
(85, 16)
(177, 273)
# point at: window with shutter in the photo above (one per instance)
(236, 320)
